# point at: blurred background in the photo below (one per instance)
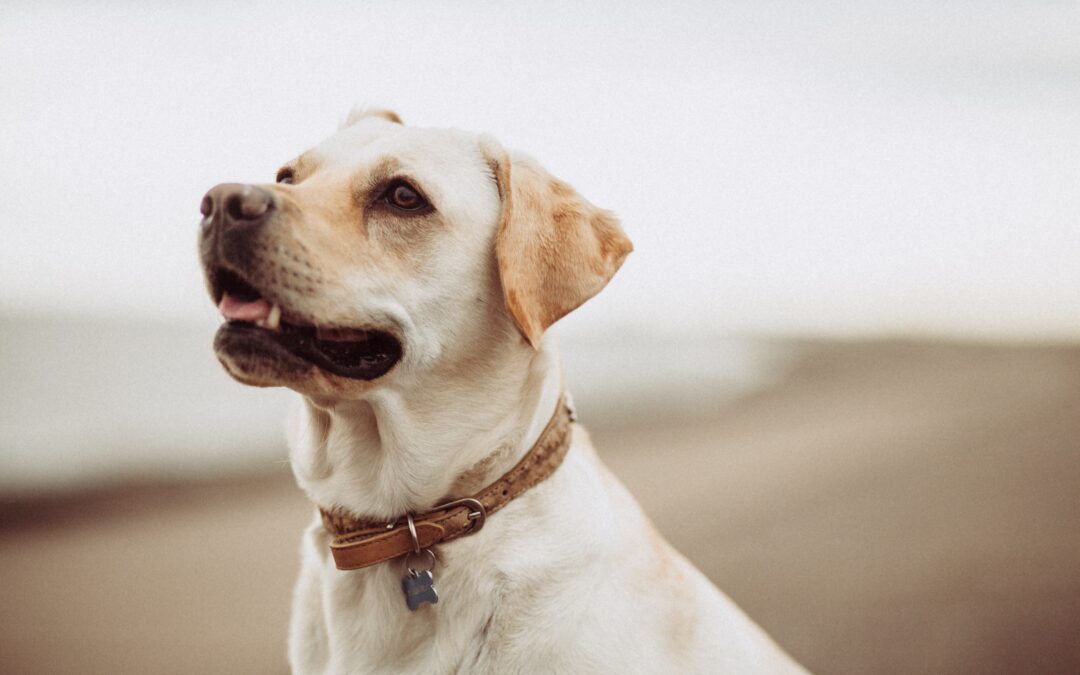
(850, 332)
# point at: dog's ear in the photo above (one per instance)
(357, 114)
(554, 249)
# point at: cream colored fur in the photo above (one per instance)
(569, 578)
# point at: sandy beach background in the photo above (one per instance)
(884, 507)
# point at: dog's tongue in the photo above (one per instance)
(235, 309)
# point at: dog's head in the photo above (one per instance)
(386, 250)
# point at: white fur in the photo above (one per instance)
(570, 577)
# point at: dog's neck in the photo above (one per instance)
(406, 448)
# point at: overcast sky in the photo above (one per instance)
(832, 167)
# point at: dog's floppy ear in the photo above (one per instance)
(357, 114)
(554, 249)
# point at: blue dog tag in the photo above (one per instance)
(419, 587)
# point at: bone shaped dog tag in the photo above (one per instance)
(419, 587)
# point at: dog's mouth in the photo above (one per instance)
(254, 325)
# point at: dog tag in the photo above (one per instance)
(419, 587)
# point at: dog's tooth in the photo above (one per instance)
(273, 320)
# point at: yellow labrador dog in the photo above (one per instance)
(402, 280)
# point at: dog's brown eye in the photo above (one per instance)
(400, 195)
(285, 176)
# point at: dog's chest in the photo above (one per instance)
(369, 626)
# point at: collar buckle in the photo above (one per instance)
(477, 512)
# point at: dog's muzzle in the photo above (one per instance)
(243, 285)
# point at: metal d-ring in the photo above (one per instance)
(412, 533)
(410, 554)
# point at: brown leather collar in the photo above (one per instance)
(360, 543)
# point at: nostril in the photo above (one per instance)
(207, 206)
(234, 207)
(248, 203)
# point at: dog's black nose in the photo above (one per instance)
(231, 204)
